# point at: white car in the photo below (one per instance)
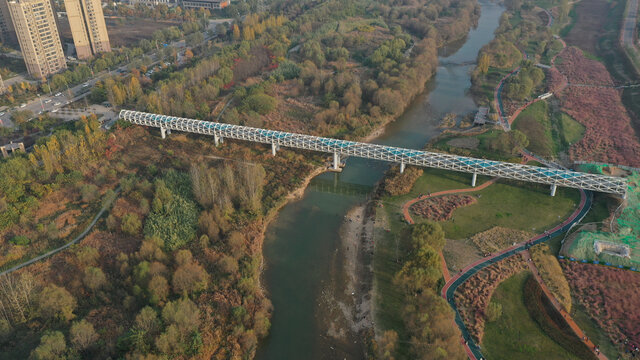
(1, 113)
(85, 84)
(23, 105)
(58, 94)
(54, 110)
(47, 101)
(57, 104)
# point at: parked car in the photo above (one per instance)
(23, 105)
(58, 94)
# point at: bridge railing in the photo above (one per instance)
(403, 156)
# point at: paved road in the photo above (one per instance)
(452, 285)
(65, 246)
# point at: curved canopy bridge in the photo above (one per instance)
(553, 177)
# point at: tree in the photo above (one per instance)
(147, 320)
(483, 63)
(260, 103)
(388, 344)
(52, 347)
(236, 32)
(57, 302)
(184, 314)
(82, 335)
(131, 224)
(190, 278)
(158, 289)
(94, 278)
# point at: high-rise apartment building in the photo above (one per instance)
(38, 36)
(7, 33)
(88, 28)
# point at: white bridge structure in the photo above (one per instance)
(339, 148)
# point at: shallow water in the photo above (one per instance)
(304, 275)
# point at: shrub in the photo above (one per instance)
(20, 240)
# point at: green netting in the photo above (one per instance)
(628, 233)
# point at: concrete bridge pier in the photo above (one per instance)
(473, 179)
(402, 166)
(216, 140)
(553, 189)
(163, 132)
(336, 161)
(274, 148)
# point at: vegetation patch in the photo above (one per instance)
(442, 207)
(535, 123)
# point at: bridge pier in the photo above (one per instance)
(473, 179)
(553, 190)
(163, 132)
(336, 161)
(402, 167)
(274, 148)
(215, 140)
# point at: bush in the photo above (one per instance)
(20, 240)
(400, 184)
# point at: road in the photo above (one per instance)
(629, 26)
(65, 246)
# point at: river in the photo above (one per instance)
(304, 274)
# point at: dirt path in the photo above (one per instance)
(576, 329)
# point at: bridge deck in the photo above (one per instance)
(558, 177)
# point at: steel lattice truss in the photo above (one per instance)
(566, 178)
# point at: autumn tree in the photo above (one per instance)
(52, 347)
(158, 289)
(131, 224)
(82, 335)
(57, 302)
(94, 278)
(483, 63)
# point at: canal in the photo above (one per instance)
(302, 250)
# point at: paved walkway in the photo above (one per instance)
(567, 317)
(67, 245)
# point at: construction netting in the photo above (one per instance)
(621, 247)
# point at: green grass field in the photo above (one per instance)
(515, 335)
(535, 123)
(571, 131)
(515, 205)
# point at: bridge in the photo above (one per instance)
(401, 156)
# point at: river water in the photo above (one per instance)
(302, 249)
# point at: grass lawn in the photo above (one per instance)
(515, 205)
(535, 123)
(515, 335)
(571, 131)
